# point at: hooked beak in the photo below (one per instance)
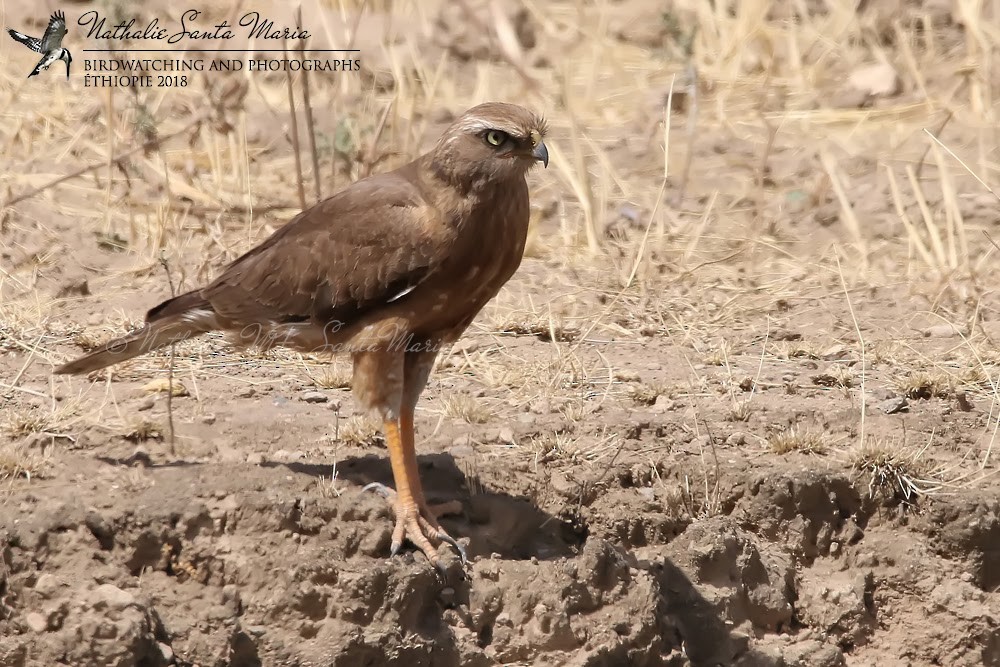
(541, 153)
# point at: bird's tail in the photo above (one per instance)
(174, 320)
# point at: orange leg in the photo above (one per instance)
(415, 519)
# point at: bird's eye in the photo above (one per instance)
(495, 137)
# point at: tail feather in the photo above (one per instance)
(172, 321)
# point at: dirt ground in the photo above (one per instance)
(738, 407)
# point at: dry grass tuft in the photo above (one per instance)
(568, 447)
(21, 422)
(545, 330)
(926, 384)
(805, 441)
(839, 376)
(467, 408)
(888, 352)
(576, 411)
(89, 339)
(739, 412)
(895, 470)
(359, 431)
(142, 430)
(719, 356)
(797, 349)
(646, 394)
(17, 460)
(334, 377)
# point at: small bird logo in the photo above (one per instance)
(50, 45)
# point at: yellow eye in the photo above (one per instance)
(495, 137)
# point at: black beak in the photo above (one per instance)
(68, 61)
(541, 153)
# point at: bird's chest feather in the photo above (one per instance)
(493, 244)
(486, 254)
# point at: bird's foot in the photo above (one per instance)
(418, 523)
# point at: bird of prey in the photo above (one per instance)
(50, 45)
(389, 269)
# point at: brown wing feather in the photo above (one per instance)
(355, 250)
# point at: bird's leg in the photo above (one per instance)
(415, 519)
(396, 402)
(436, 510)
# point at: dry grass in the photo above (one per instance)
(20, 461)
(739, 412)
(576, 411)
(802, 440)
(337, 376)
(568, 447)
(719, 356)
(467, 408)
(646, 394)
(837, 376)
(359, 431)
(926, 384)
(894, 469)
(22, 422)
(798, 349)
(142, 430)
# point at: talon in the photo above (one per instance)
(448, 539)
(417, 522)
(381, 489)
(439, 532)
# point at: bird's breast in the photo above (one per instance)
(486, 254)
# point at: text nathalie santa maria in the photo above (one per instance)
(255, 26)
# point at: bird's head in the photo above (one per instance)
(495, 141)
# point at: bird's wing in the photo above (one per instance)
(54, 33)
(32, 43)
(365, 247)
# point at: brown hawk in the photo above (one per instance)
(389, 269)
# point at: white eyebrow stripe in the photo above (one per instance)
(476, 125)
(473, 125)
